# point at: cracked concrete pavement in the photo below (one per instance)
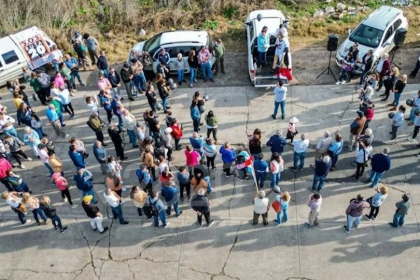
(232, 248)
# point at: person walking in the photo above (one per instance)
(276, 143)
(300, 147)
(219, 54)
(398, 89)
(314, 203)
(52, 116)
(354, 212)
(381, 162)
(356, 128)
(193, 64)
(51, 213)
(263, 43)
(397, 121)
(32, 204)
(261, 207)
(93, 213)
(158, 210)
(115, 201)
(261, 168)
(201, 205)
(335, 149)
(322, 167)
(376, 202)
(204, 62)
(15, 147)
(276, 167)
(228, 157)
(280, 93)
(402, 210)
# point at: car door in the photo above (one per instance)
(3, 76)
(387, 43)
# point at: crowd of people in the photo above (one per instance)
(156, 140)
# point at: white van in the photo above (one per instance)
(30, 47)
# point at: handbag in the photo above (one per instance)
(85, 154)
(276, 206)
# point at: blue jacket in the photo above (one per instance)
(277, 143)
(196, 143)
(77, 159)
(336, 147)
(157, 203)
(114, 105)
(260, 166)
(33, 135)
(103, 100)
(70, 63)
(102, 63)
(322, 169)
(262, 41)
(164, 58)
(82, 184)
(195, 113)
(381, 163)
(143, 176)
(99, 153)
(170, 194)
(183, 178)
(228, 156)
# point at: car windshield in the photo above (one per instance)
(153, 44)
(367, 36)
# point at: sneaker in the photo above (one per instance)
(22, 166)
(72, 117)
(366, 217)
(316, 225)
(291, 168)
(46, 222)
(105, 229)
(356, 226)
(273, 117)
(338, 82)
(55, 227)
(354, 163)
(63, 125)
(67, 136)
(179, 214)
(191, 85)
(65, 199)
(227, 176)
(123, 189)
(346, 229)
(195, 81)
(409, 139)
(373, 218)
(210, 224)
(125, 223)
(240, 179)
(122, 201)
(418, 155)
(63, 229)
(29, 159)
(313, 166)
(308, 225)
(343, 82)
(74, 206)
(167, 224)
(349, 149)
(311, 190)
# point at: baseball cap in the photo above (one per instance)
(125, 65)
(87, 198)
(41, 146)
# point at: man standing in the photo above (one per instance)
(154, 125)
(127, 78)
(383, 67)
(115, 81)
(402, 209)
(314, 203)
(96, 124)
(158, 210)
(80, 49)
(201, 205)
(204, 61)
(130, 122)
(219, 54)
(322, 146)
(279, 99)
(380, 164)
(83, 182)
(164, 59)
(55, 122)
(277, 143)
(261, 206)
(197, 143)
(114, 201)
(416, 69)
(363, 150)
(114, 134)
(356, 128)
(77, 159)
(92, 211)
(416, 126)
(72, 64)
(354, 212)
(397, 121)
(415, 107)
(103, 64)
(322, 167)
(170, 193)
(92, 46)
(44, 81)
(300, 147)
(101, 156)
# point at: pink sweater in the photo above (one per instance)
(192, 158)
(59, 82)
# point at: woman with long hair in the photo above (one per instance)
(389, 82)
(255, 143)
(398, 89)
(193, 63)
(139, 198)
(164, 91)
(36, 123)
(148, 67)
(276, 167)
(114, 168)
(212, 123)
(32, 203)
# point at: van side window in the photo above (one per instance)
(10, 57)
(1, 64)
(396, 24)
(388, 34)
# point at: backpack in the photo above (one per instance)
(153, 210)
(240, 159)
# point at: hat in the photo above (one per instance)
(87, 198)
(360, 113)
(168, 130)
(41, 146)
(125, 65)
(133, 60)
(294, 120)
(56, 175)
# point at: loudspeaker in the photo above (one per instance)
(400, 36)
(332, 43)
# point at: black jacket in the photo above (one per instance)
(163, 91)
(368, 64)
(114, 79)
(115, 135)
(151, 98)
(49, 210)
(200, 203)
(78, 49)
(102, 63)
(193, 63)
(125, 74)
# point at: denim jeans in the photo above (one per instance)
(140, 82)
(398, 220)
(176, 208)
(299, 156)
(133, 138)
(262, 58)
(12, 132)
(276, 108)
(181, 75)
(196, 124)
(207, 179)
(397, 97)
(22, 217)
(375, 177)
(23, 187)
(413, 114)
(334, 160)
(284, 213)
(40, 132)
(164, 103)
(117, 212)
(161, 216)
(48, 166)
(275, 179)
(92, 193)
(321, 180)
(260, 177)
(193, 75)
(351, 220)
(60, 118)
(106, 72)
(362, 76)
(39, 211)
(206, 70)
(56, 221)
(75, 75)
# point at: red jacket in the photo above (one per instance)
(385, 68)
(176, 131)
(4, 167)
(369, 112)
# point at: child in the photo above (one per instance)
(36, 124)
(168, 118)
(143, 174)
(51, 213)
(346, 69)
(62, 184)
(16, 182)
(183, 178)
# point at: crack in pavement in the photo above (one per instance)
(47, 272)
(299, 278)
(109, 239)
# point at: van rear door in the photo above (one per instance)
(12, 60)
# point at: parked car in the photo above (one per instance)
(30, 47)
(174, 42)
(256, 20)
(375, 32)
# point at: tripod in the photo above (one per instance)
(328, 69)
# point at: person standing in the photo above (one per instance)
(335, 149)
(127, 78)
(416, 69)
(52, 116)
(65, 100)
(51, 213)
(115, 81)
(212, 123)
(354, 212)
(322, 167)
(103, 64)
(398, 89)
(276, 167)
(92, 46)
(261, 206)
(130, 122)
(277, 143)
(414, 108)
(201, 205)
(389, 82)
(195, 116)
(204, 61)
(77, 159)
(228, 157)
(416, 126)
(44, 81)
(210, 152)
(397, 121)
(263, 45)
(164, 92)
(300, 147)
(356, 128)
(15, 147)
(92, 211)
(402, 210)
(193, 64)
(84, 183)
(219, 54)
(314, 203)
(363, 150)
(170, 193)
(158, 210)
(279, 100)
(322, 146)
(261, 168)
(383, 67)
(96, 124)
(80, 50)
(73, 65)
(14, 202)
(4, 167)
(367, 60)
(32, 204)
(376, 202)
(101, 156)
(114, 134)
(114, 201)
(63, 186)
(284, 200)
(139, 197)
(151, 98)
(381, 163)
(180, 65)
(31, 138)
(165, 58)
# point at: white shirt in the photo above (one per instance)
(129, 121)
(43, 155)
(93, 107)
(6, 120)
(56, 55)
(362, 156)
(300, 146)
(12, 203)
(112, 200)
(280, 94)
(260, 205)
(380, 65)
(64, 97)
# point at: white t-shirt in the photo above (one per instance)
(12, 203)
(112, 200)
